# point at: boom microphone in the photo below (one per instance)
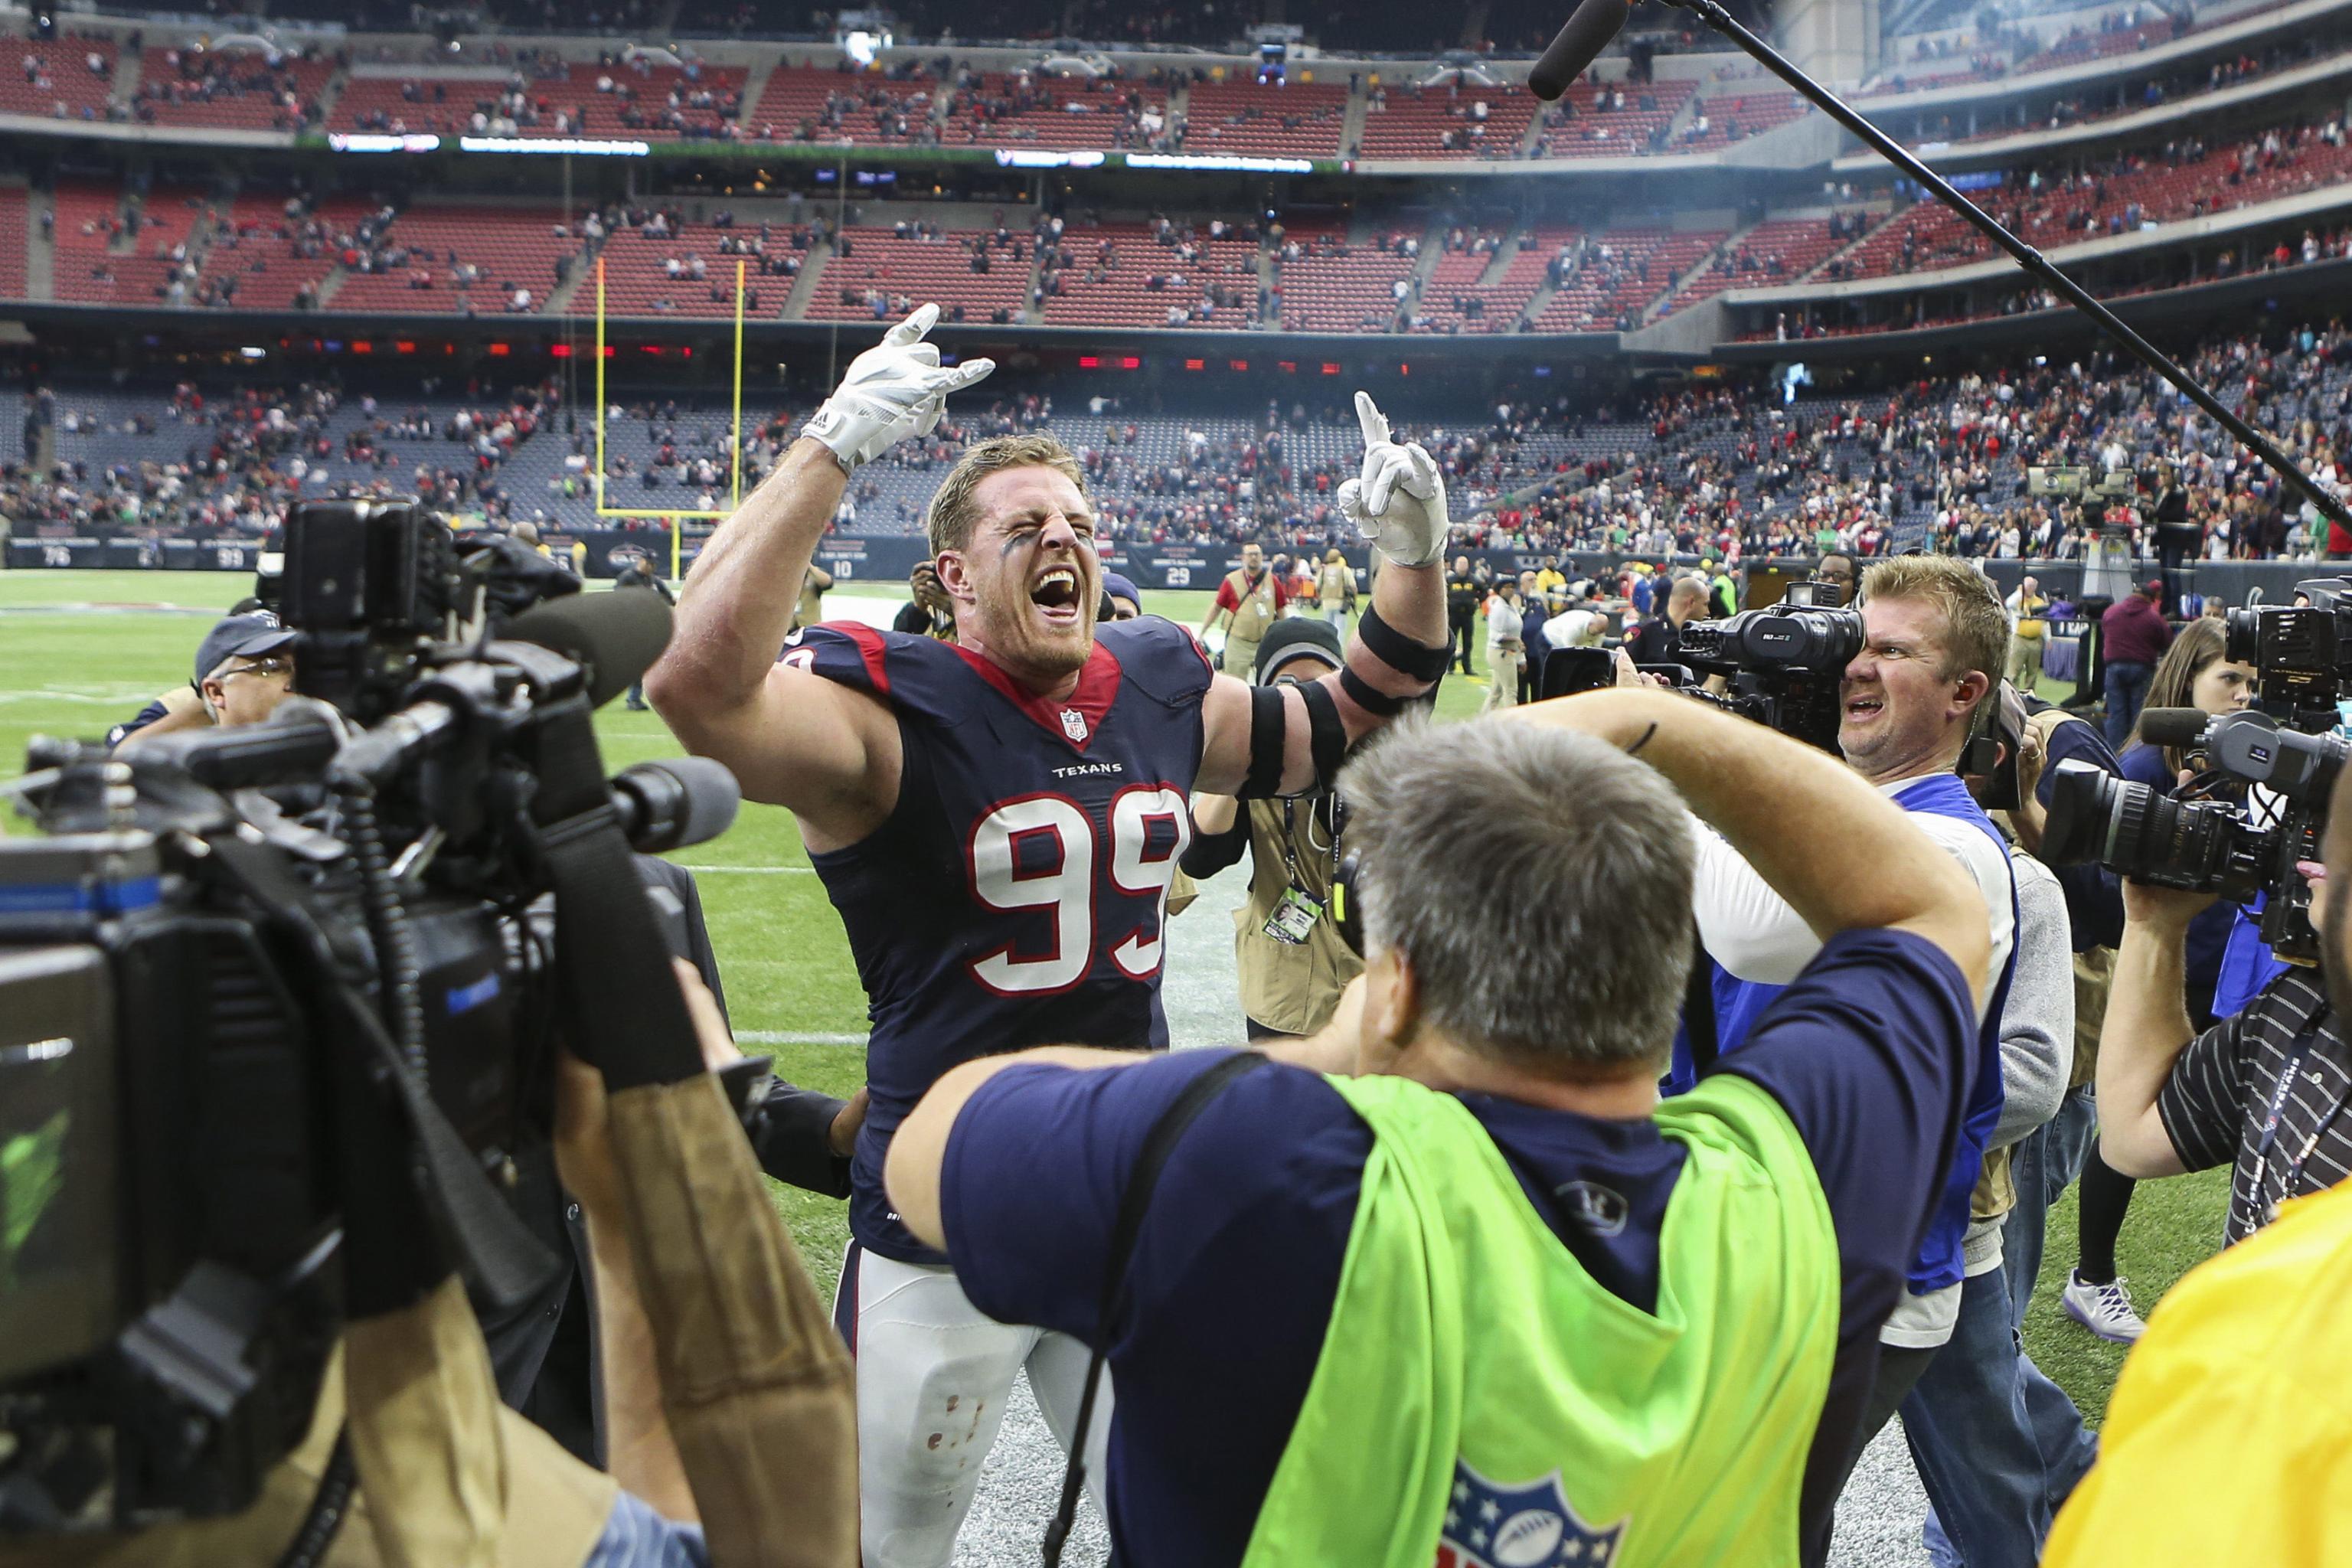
(1573, 38)
(1579, 42)
(2173, 726)
(614, 637)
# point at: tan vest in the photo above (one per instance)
(810, 610)
(1290, 987)
(1251, 617)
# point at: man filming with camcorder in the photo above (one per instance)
(2264, 1087)
(262, 1079)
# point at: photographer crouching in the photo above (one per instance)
(1521, 1360)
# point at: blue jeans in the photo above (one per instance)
(2126, 690)
(1996, 1479)
(2043, 1163)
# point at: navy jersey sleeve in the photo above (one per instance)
(1870, 1050)
(845, 651)
(1159, 657)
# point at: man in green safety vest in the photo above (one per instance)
(1448, 1283)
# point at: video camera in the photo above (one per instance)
(1783, 664)
(278, 1004)
(2301, 653)
(2202, 845)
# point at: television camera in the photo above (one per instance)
(2201, 839)
(278, 1006)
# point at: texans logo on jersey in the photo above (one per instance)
(1529, 1526)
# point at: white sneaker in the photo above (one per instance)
(2105, 1309)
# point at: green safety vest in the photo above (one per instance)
(1482, 1401)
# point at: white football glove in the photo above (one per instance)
(1399, 503)
(894, 390)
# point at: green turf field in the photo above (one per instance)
(80, 651)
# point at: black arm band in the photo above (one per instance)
(1327, 737)
(1269, 729)
(1397, 651)
(1369, 698)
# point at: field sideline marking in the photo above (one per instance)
(795, 1037)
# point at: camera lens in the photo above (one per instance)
(2082, 802)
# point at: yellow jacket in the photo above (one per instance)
(2230, 1437)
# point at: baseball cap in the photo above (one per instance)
(1120, 587)
(1297, 636)
(2153, 587)
(240, 636)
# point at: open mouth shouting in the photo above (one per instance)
(1864, 706)
(1056, 595)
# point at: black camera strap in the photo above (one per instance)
(1133, 1203)
(621, 1010)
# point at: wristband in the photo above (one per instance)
(1397, 651)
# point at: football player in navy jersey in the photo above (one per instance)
(998, 821)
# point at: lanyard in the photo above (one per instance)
(1290, 837)
(2268, 1210)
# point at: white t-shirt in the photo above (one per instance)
(1755, 934)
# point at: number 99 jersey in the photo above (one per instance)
(1016, 896)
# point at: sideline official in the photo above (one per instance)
(1522, 1356)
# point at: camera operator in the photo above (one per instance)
(2223, 1441)
(244, 669)
(2263, 1090)
(410, 1457)
(1292, 960)
(1251, 599)
(1658, 639)
(1934, 634)
(1839, 569)
(1491, 1161)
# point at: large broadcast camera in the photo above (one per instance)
(1781, 665)
(2283, 760)
(278, 1006)
(2302, 653)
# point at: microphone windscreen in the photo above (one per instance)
(1579, 42)
(677, 802)
(615, 637)
(2173, 726)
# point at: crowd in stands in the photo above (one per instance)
(1728, 471)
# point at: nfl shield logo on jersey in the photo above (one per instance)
(1527, 1526)
(1073, 725)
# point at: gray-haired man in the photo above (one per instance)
(1496, 1180)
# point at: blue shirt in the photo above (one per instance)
(1237, 1263)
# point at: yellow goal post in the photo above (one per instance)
(674, 515)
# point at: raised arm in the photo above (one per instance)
(1398, 651)
(2146, 1030)
(1803, 820)
(794, 739)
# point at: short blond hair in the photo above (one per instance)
(953, 515)
(1976, 626)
